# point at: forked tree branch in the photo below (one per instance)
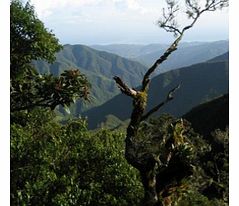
(156, 108)
(170, 26)
(124, 88)
(146, 163)
(159, 61)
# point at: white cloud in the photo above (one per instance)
(133, 5)
(46, 8)
(106, 18)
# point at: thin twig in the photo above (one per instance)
(156, 108)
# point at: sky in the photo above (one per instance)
(120, 21)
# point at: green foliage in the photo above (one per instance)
(176, 146)
(214, 129)
(53, 164)
(30, 40)
(190, 171)
(195, 198)
(48, 91)
(216, 166)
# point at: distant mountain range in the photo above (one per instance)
(136, 50)
(100, 67)
(188, 53)
(130, 51)
(200, 83)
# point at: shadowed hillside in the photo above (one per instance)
(209, 116)
(223, 57)
(200, 83)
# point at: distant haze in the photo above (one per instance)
(120, 21)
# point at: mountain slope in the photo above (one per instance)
(209, 116)
(136, 50)
(186, 55)
(130, 50)
(100, 67)
(223, 57)
(200, 83)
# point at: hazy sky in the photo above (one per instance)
(120, 21)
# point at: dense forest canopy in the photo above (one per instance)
(163, 161)
(30, 40)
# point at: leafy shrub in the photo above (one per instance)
(53, 164)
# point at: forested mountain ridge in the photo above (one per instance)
(223, 57)
(186, 55)
(209, 116)
(130, 50)
(100, 67)
(200, 83)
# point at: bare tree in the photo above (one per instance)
(146, 162)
